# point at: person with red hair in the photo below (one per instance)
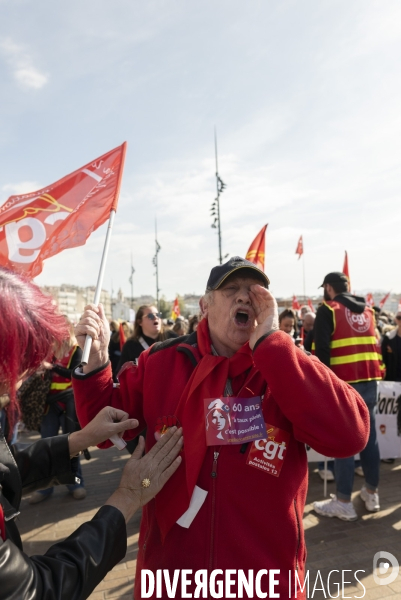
(70, 570)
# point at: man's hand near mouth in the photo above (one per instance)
(265, 307)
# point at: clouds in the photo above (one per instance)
(305, 98)
(23, 187)
(21, 65)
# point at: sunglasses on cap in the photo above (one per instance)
(153, 316)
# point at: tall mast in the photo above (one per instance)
(215, 210)
(156, 264)
(131, 280)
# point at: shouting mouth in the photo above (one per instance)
(242, 318)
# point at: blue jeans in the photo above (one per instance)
(370, 456)
(49, 427)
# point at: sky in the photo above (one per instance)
(305, 97)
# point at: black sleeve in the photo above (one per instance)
(75, 362)
(308, 341)
(44, 463)
(130, 352)
(69, 570)
(385, 351)
(322, 331)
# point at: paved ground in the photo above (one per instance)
(332, 544)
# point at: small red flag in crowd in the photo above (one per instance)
(311, 305)
(300, 247)
(346, 270)
(256, 252)
(122, 336)
(369, 300)
(384, 300)
(295, 303)
(38, 225)
(176, 310)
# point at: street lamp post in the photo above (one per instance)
(131, 280)
(156, 264)
(215, 209)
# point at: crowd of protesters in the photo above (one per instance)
(148, 328)
(127, 342)
(300, 325)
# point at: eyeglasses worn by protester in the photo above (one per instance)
(153, 316)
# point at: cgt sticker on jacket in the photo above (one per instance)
(268, 454)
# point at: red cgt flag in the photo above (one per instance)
(384, 300)
(312, 308)
(38, 225)
(346, 270)
(295, 303)
(300, 247)
(256, 252)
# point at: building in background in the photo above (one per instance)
(191, 304)
(120, 307)
(71, 299)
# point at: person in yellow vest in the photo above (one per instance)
(344, 340)
(60, 408)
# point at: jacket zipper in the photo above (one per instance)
(299, 534)
(213, 475)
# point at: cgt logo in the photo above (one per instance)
(360, 323)
(268, 455)
(26, 232)
(271, 449)
(386, 560)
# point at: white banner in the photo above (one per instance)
(388, 397)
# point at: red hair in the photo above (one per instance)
(29, 326)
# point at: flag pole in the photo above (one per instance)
(215, 208)
(131, 280)
(303, 269)
(218, 199)
(156, 264)
(88, 340)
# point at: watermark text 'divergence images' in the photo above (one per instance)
(232, 583)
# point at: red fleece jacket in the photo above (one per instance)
(250, 519)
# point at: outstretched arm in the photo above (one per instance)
(71, 569)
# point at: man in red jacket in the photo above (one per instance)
(233, 504)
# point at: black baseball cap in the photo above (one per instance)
(220, 273)
(335, 277)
